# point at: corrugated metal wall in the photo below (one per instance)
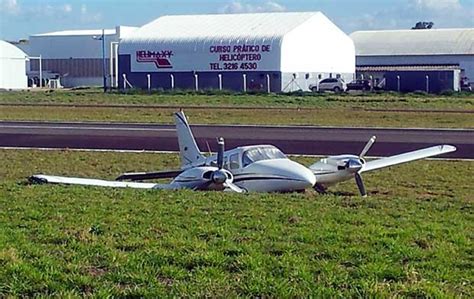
(465, 62)
(76, 67)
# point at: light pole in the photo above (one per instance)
(104, 75)
(103, 61)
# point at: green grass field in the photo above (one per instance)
(411, 238)
(216, 98)
(325, 109)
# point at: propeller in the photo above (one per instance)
(355, 166)
(221, 176)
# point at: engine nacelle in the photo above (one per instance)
(204, 178)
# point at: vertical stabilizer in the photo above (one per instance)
(189, 153)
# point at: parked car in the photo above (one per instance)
(329, 84)
(359, 84)
(466, 85)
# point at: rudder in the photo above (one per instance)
(189, 152)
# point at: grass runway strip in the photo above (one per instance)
(385, 100)
(411, 237)
(325, 117)
(326, 109)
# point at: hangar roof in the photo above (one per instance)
(77, 32)
(414, 42)
(10, 51)
(221, 27)
(122, 30)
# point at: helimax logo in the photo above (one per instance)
(160, 58)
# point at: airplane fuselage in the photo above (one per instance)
(264, 168)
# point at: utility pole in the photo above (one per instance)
(104, 74)
(103, 61)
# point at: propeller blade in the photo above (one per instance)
(233, 187)
(220, 153)
(367, 146)
(360, 184)
(208, 149)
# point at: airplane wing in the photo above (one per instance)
(139, 176)
(407, 157)
(50, 179)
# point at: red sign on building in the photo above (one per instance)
(160, 58)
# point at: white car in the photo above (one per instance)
(329, 84)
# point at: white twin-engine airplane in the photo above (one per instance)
(261, 168)
(257, 168)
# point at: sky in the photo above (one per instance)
(21, 18)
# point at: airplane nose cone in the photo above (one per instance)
(304, 175)
(301, 176)
(282, 175)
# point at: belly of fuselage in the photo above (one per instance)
(272, 185)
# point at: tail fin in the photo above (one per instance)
(189, 152)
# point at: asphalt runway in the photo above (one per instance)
(306, 140)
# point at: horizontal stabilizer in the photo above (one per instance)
(408, 157)
(140, 176)
(50, 179)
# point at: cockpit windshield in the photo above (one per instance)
(261, 153)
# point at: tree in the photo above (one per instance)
(423, 25)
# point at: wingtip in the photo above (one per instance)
(448, 148)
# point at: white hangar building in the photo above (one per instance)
(449, 48)
(12, 67)
(262, 51)
(74, 56)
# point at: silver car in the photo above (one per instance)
(329, 84)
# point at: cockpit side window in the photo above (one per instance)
(246, 161)
(234, 161)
